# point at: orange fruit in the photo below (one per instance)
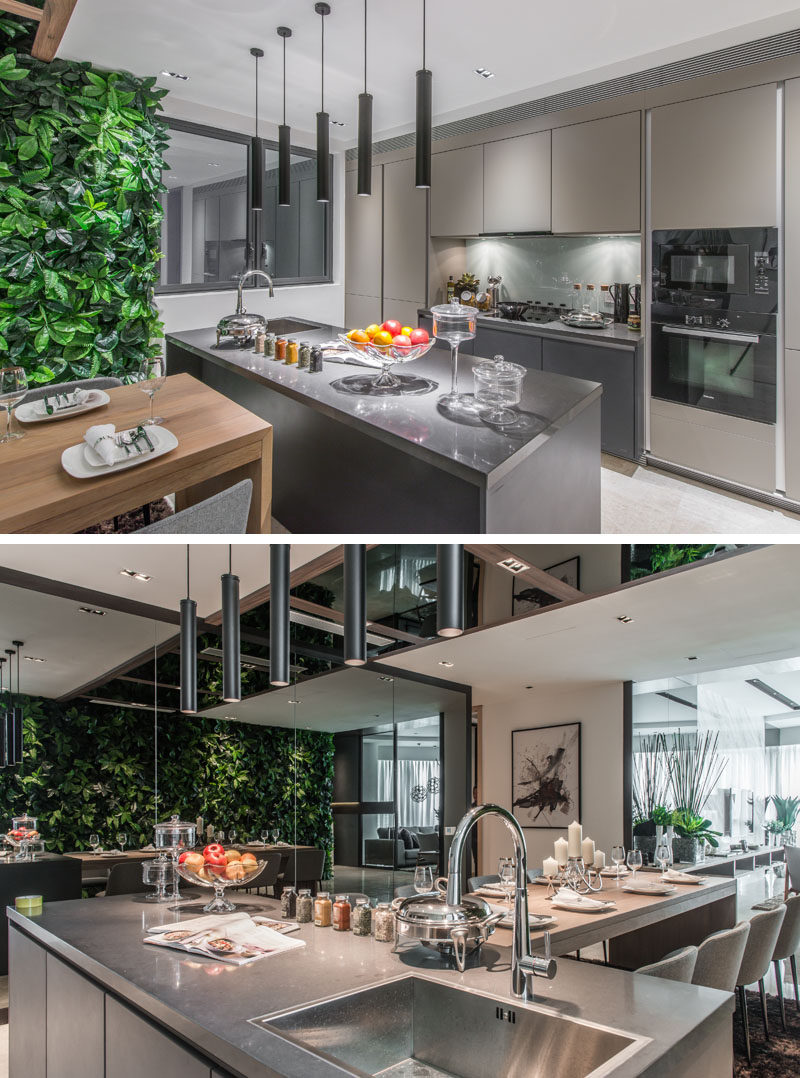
(358, 337)
(372, 330)
(382, 338)
(351, 336)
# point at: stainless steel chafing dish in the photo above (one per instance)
(458, 930)
(585, 320)
(242, 326)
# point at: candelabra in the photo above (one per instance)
(577, 876)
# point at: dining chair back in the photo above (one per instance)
(305, 867)
(764, 930)
(675, 967)
(408, 891)
(719, 957)
(70, 387)
(474, 882)
(222, 514)
(125, 879)
(787, 946)
(269, 873)
(792, 855)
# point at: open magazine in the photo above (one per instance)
(235, 938)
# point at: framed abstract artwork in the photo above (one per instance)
(525, 598)
(546, 775)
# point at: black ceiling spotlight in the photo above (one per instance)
(256, 153)
(355, 604)
(231, 643)
(424, 112)
(449, 589)
(279, 625)
(188, 704)
(284, 138)
(365, 128)
(18, 717)
(323, 124)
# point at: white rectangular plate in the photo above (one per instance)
(75, 460)
(644, 888)
(537, 921)
(683, 877)
(29, 413)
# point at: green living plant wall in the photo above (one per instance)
(91, 770)
(80, 216)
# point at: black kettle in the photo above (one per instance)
(620, 293)
(636, 298)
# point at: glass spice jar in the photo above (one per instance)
(341, 914)
(316, 360)
(362, 918)
(384, 922)
(305, 907)
(269, 345)
(289, 903)
(304, 357)
(323, 910)
(259, 347)
(292, 352)
(280, 348)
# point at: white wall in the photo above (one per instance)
(599, 709)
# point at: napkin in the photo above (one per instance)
(65, 404)
(100, 438)
(566, 895)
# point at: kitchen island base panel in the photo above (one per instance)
(653, 942)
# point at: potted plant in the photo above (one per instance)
(694, 768)
(650, 793)
(786, 810)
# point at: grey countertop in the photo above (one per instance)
(614, 334)
(471, 450)
(208, 1004)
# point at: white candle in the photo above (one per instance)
(550, 866)
(599, 860)
(561, 851)
(575, 832)
(587, 851)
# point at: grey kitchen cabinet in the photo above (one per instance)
(364, 230)
(792, 211)
(135, 1047)
(597, 175)
(522, 348)
(618, 371)
(792, 390)
(457, 192)
(517, 184)
(75, 1027)
(405, 239)
(466, 349)
(713, 161)
(362, 311)
(27, 1046)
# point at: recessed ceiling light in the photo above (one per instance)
(134, 574)
(529, 686)
(626, 619)
(692, 658)
(175, 75)
(229, 716)
(513, 565)
(92, 610)
(338, 123)
(213, 164)
(484, 72)
(34, 659)
(385, 677)
(444, 662)
(294, 701)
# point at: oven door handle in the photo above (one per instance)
(713, 334)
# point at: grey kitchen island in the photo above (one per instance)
(350, 464)
(89, 998)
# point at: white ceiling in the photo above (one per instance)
(534, 49)
(739, 610)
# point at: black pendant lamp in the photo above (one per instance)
(279, 627)
(284, 138)
(365, 128)
(4, 738)
(188, 650)
(231, 643)
(449, 589)
(256, 153)
(323, 124)
(8, 717)
(18, 719)
(424, 113)
(355, 604)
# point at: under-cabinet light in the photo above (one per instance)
(134, 574)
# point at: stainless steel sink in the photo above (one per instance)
(282, 326)
(417, 1028)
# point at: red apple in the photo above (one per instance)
(402, 343)
(420, 336)
(391, 325)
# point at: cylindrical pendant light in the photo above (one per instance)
(284, 138)
(355, 604)
(256, 153)
(365, 128)
(279, 628)
(18, 716)
(4, 720)
(424, 113)
(188, 650)
(449, 589)
(8, 718)
(231, 644)
(323, 124)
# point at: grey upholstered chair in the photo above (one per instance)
(125, 879)
(678, 966)
(474, 882)
(222, 514)
(408, 891)
(303, 866)
(69, 387)
(792, 855)
(719, 958)
(269, 873)
(787, 947)
(764, 930)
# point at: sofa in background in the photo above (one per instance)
(389, 848)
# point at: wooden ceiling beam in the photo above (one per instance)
(494, 554)
(27, 11)
(55, 16)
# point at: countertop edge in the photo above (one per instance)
(600, 337)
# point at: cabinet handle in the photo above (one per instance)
(713, 334)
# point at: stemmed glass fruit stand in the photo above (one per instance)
(173, 837)
(383, 349)
(455, 323)
(24, 837)
(219, 868)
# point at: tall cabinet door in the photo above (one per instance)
(713, 161)
(517, 184)
(405, 242)
(363, 250)
(457, 192)
(792, 211)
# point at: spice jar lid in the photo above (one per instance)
(362, 902)
(305, 891)
(323, 894)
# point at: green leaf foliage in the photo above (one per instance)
(91, 769)
(80, 214)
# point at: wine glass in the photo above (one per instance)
(423, 879)
(663, 857)
(13, 387)
(264, 836)
(505, 869)
(455, 324)
(94, 842)
(152, 375)
(232, 834)
(618, 857)
(122, 840)
(275, 835)
(634, 862)
(219, 837)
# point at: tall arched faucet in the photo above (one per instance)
(524, 964)
(246, 277)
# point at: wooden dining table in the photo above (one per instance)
(95, 866)
(219, 444)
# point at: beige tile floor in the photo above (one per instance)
(638, 501)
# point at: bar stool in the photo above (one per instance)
(787, 946)
(719, 958)
(678, 966)
(764, 930)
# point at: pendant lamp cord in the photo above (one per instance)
(230, 559)
(18, 700)
(187, 571)
(295, 789)
(155, 720)
(322, 19)
(424, 32)
(257, 59)
(284, 82)
(365, 46)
